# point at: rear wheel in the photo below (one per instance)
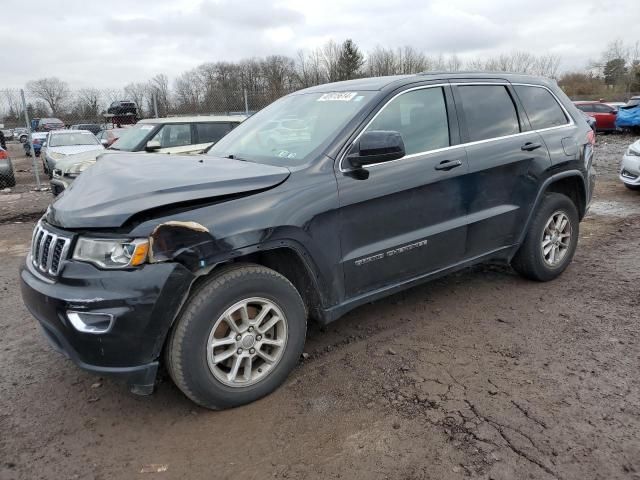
(238, 338)
(551, 241)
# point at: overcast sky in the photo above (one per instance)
(113, 42)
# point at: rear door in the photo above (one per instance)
(505, 158)
(405, 218)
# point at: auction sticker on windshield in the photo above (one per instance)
(337, 97)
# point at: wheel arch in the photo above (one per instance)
(570, 183)
(288, 259)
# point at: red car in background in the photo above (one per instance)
(605, 115)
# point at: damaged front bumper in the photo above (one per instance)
(140, 305)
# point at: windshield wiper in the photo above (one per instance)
(231, 156)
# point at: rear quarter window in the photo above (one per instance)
(489, 111)
(541, 107)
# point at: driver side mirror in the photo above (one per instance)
(104, 142)
(376, 146)
(153, 145)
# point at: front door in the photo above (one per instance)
(406, 218)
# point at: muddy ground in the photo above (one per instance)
(480, 374)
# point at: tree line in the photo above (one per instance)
(223, 87)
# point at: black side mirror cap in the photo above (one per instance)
(376, 146)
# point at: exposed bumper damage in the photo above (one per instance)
(187, 242)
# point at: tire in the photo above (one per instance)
(632, 187)
(190, 359)
(23, 139)
(8, 180)
(530, 261)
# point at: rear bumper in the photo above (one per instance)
(143, 303)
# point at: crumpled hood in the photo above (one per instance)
(119, 186)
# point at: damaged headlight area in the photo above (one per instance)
(111, 253)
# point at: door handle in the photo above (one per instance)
(447, 165)
(529, 147)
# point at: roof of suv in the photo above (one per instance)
(379, 83)
(196, 119)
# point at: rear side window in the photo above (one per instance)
(421, 118)
(541, 107)
(489, 111)
(212, 132)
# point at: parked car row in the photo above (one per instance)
(605, 113)
(160, 135)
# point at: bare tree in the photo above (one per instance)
(159, 86)
(53, 91)
(13, 103)
(331, 61)
(137, 93)
(87, 103)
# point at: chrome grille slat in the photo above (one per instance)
(48, 250)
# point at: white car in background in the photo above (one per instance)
(62, 143)
(180, 135)
(630, 168)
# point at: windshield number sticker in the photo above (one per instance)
(337, 97)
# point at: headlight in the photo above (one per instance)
(635, 153)
(77, 168)
(106, 253)
(54, 155)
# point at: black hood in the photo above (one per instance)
(119, 186)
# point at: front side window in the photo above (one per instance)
(585, 107)
(489, 111)
(542, 108)
(132, 137)
(420, 116)
(212, 132)
(178, 135)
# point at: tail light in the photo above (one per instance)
(591, 137)
(3, 154)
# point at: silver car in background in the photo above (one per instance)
(630, 167)
(62, 143)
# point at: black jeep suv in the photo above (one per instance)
(212, 264)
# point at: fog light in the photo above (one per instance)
(90, 322)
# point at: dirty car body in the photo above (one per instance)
(342, 232)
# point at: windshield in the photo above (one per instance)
(289, 130)
(68, 139)
(131, 137)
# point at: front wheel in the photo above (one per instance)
(239, 336)
(632, 187)
(551, 240)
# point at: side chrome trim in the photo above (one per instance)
(571, 123)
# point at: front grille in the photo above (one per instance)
(48, 250)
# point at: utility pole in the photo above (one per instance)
(29, 139)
